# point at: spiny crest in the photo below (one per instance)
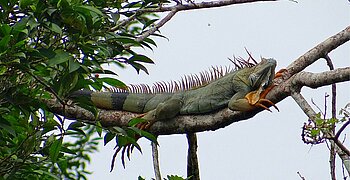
(240, 62)
(191, 81)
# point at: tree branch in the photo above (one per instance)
(332, 152)
(225, 117)
(157, 26)
(155, 157)
(344, 157)
(192, 159)
(319, 51)
(201, 5)
(173, 10)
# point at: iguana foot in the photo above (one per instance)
(146, 124)
(257, 98)
(280, 73)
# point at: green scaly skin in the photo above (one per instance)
(227, 91)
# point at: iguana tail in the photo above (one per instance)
(133, 102)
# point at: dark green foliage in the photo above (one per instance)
(48, 49)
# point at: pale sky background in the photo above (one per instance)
(267, 146)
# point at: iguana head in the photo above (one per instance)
(262, 74)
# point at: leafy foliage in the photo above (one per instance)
(320, 129)
(48, 49)
(126, 138)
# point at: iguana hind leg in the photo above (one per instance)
(165, 110)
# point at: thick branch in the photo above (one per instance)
(345, 159)
(315, 80)
(320, 51)
(225, 117)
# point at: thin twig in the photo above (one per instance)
(332, 151)
(192, 159)
(173, 10)
(201, 5)
(124, 22)
(155, 157)
(47, 87)
(302, 177)
(341, 129)
(157, 26)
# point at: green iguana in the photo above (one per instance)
(243, 90)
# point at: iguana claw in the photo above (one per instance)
(146, 124)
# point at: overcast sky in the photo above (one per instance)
(269, 145)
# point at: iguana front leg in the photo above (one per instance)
(251, 100)
(257, 98)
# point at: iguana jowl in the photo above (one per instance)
(243, 90)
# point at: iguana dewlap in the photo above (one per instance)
(241, 90)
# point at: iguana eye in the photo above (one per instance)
(265, 84)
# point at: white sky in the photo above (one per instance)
(269, 145)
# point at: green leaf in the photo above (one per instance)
(140, 58)
(135, 121)
(20, 54)
(115, 17)
(75, 126)
(315, 132)
(55, 28)
(62, 164)
(5, 29)
(90, 8)
(145, 134)
(149, 136)
(60, 57)
(113, 82)
(175, 177)
(26, 3)
(108, 137)
(4, 42)
(66, 150)
(55, 149)
(98, 127)
(139, 67)
(150, 22)
(150, 41)
(73, 65)
(141, 178)
(119, 130)
(127, 40)
(3, 70)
